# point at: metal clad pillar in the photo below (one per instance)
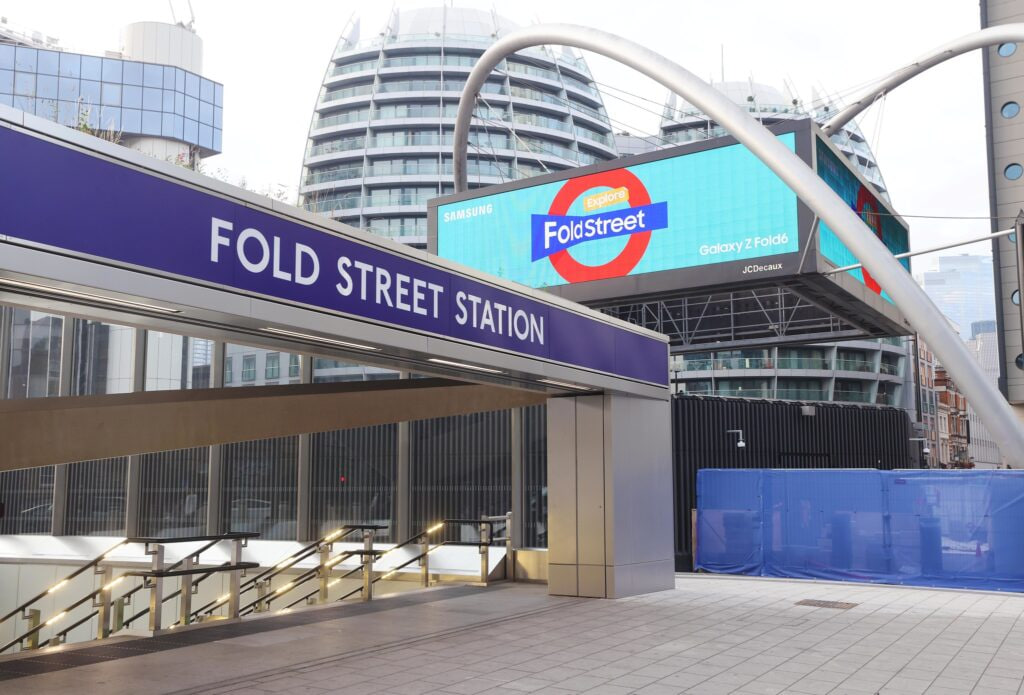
(610, 496)
(303, 465)
(215, 470)
(133, 475)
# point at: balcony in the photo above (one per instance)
(820, 363)
(851, 396)
(744, 363)
(854, 366)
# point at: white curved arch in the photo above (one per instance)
(815, 193)
(992, 36)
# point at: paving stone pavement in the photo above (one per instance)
(710, 635)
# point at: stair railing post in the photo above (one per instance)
(485, 546)
(425, 560)
(185, 594)
(235, 578)
(510, 551)
(32, 616)
(324, 572)
(368, 564)
(156, 587)
(102, 601)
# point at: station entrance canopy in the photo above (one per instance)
(95, 230)
(702, 242)
(104, 230)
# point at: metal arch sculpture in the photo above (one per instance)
(923, 315)
(992, 36)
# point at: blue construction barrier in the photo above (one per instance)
(957, 529)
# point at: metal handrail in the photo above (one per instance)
(63, 582)
(288, 562)
(34, 630)
(148, 540)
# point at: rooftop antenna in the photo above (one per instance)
(174, 17)
(192, 15)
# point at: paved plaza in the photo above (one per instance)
(710, 635)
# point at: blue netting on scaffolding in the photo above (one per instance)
(957, 529)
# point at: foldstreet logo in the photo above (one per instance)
(553, 234)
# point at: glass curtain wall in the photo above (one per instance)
(461, 468)
(33, 370)
(173, 484)
(260, 486)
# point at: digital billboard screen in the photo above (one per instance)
(704, 217)
(705, 208)
(886, 226)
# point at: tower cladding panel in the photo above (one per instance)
(1003, 70)
(703, 217)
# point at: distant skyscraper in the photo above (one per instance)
(982, 448)
(962, 289)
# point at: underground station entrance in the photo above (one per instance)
(95, 231)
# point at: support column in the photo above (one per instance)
(307, 529)
(215, 471)
(610, 518)
(133, 476)
(403, 482)
(516, 450)
(6, 316)
(58, 517)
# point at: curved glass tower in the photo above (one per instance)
(381, 137)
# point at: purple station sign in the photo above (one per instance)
(83, 204)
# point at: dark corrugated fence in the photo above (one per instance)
(777, 435)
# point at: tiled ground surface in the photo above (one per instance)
(711, 635)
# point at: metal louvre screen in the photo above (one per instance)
(461, 469)
(955, 529)
(353, 478)
(173, 489)
(261, 487)
(96, 497)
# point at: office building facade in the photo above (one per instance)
(149, 95)
(961, 287)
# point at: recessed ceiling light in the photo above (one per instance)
(86, 295)
(319, 339)
(463, 365)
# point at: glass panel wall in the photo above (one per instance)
(260, 487)
(96, 497)
(34, 367)
(102, 358)
(461, 468)
(176, 362)
(174, 489)
(27, 499)
(353, 478)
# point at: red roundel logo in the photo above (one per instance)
(568, 267)
(867, 208)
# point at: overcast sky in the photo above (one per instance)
(928, 136)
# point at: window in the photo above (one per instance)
(273, 368)
(1015, 297)
(1010, 109)
(249, 368)
(1013, 171)
(228, 368)
(1007, 49)
(294, 367)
